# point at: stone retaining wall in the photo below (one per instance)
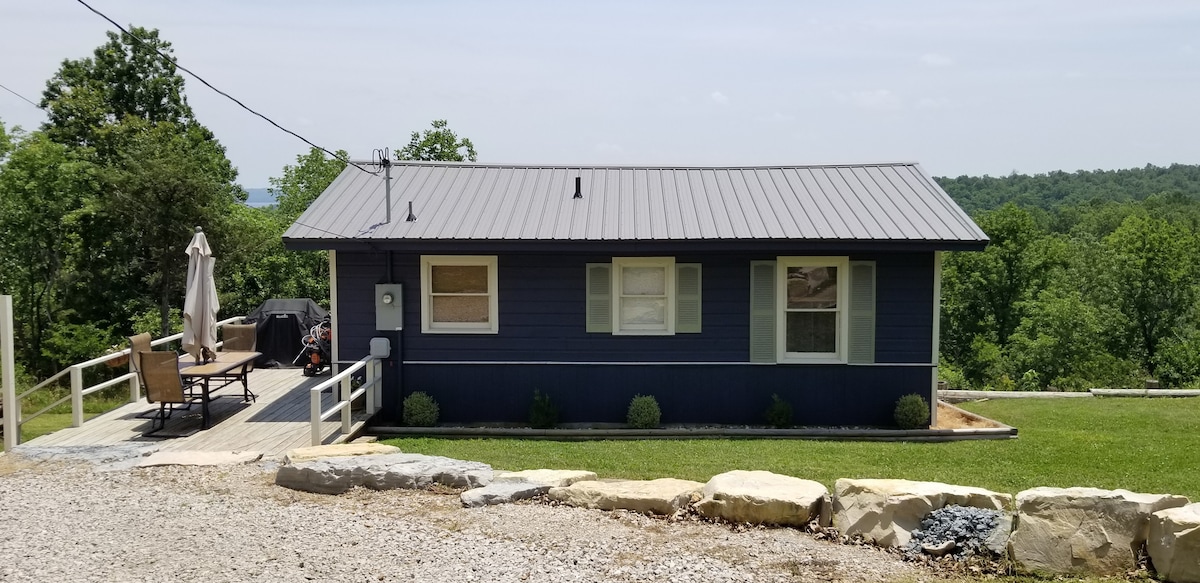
(1053, 531)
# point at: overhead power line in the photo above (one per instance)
(175, 62)
(21, 96)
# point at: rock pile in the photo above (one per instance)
(960, 531)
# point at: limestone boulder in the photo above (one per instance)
(382, 472)
(303, 454)
(1083, 530)
(661, 496)
(1174, 543)
(502, 493)
(760, 497)
(886, 512)
(199, 458)
(554, 478)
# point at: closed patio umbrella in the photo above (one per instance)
(200, 303)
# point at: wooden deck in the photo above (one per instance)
(276, 422)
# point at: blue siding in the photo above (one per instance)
(541, 319)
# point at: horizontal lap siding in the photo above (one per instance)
(541, 313)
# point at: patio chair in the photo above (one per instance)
(159, 371)
(240, 337)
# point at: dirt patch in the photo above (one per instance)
(951, 417)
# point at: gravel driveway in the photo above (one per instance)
(67, 521)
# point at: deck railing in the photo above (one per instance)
(79, 391)
(342, 383)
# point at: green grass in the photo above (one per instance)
(1144, 445)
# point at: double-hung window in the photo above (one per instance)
(812, 299)
(458, 294)
(644, 291)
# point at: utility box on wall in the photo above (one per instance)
(389, 309)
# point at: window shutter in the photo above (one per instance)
(599, 297)
(862, 312)
(687, 298)
(762, 311)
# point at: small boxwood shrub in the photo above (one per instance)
(912, 412)
(643, 412)
(420, 410)
(542, 413)
(779, 413)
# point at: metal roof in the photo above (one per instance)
(490, 202)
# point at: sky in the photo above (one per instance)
(964, 88)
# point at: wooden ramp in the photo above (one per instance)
(274, 423)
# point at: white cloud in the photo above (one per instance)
(875, 100)
(719, 98)
(936, 60)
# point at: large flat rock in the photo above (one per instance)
(199, 458)
(1083, 530)
(554, 478)
(886, 512)
(382, 472)
(1174, 543)
(502, 493)
(303, 454)
(661, 496)
(760, 497)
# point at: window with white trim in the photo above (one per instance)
(644, 294)
(812, 301)
(458, 294)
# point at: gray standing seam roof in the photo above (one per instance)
(468, 201)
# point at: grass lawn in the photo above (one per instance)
(1144, 445)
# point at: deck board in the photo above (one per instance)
(278, 420)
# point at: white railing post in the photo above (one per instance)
(76, 396)
(314, 415)
(368, 378)
(8, 376)
(345, 399)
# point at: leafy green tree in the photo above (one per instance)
(302, 183)
(123, 78)
(1152, 277)
(42, 186)
(439, 143)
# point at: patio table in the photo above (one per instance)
(231, 367)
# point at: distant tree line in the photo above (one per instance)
(98, 204)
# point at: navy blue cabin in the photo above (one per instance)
(711, 289)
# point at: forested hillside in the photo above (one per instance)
(1090, 280)
(1053, 189)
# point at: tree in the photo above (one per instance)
(301, 184)
(42, 185)
(124, 78)
(440, 143)
(1152, 282)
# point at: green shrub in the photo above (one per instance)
(643, 412)
(912, 412)
(420, 410)
(542, 413)
(779, 413)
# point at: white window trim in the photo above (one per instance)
(492, 326)
(668, 265)
(843, 266)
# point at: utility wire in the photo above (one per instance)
(21, 96)
(173, 61)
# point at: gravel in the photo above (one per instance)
(69, 520)
(968, 527)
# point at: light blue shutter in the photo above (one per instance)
(762, 311)
(599, 297)
(862, 312)
(687, 298)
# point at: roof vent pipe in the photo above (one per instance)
(578, 191)
(411, 217)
